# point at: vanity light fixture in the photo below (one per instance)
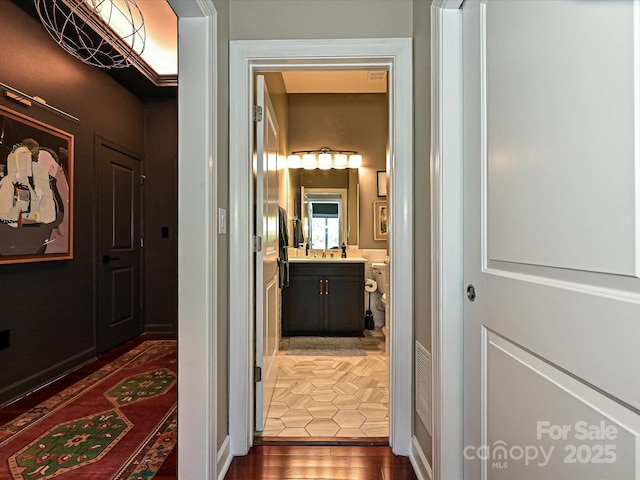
(102, 33)
(324, 159)
(309, 161)
(294, 161)
(355, 160)
(340, 160)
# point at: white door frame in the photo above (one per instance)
(246, 57)
(447, 237)
(197, 248)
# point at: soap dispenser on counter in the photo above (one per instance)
(343, 247)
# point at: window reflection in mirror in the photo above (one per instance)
(324, 213)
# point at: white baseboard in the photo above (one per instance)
(224, 458)
(419, 461)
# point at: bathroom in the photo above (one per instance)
(340, 111)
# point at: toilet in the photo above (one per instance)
(381, 276)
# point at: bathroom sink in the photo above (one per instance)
(336, 259)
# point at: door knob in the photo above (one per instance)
(471, 292)
(107, 258)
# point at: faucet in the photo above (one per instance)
(324, 254)
(315, 254)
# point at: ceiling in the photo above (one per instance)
(155, 74)
(143, 80)
(335, 81)
(161, 51)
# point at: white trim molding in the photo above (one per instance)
(419, 461)
(246, 58)
(446, 238)
(197, 248)
(224, 458)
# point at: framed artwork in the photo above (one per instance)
(380, 220)
(36, 190)
(382, 183)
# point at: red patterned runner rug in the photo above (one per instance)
(118, 423)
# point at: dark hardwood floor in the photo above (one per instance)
(320, 463)
(272, 462)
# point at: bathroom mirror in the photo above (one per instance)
(336, 193)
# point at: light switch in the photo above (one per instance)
(5, 336)
(222, 221)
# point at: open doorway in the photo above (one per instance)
(325, 376)
(394, 56)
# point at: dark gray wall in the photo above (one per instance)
(50, 306)
(160, 200)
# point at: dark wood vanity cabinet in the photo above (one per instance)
(324, 299)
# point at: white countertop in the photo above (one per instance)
(336, 259)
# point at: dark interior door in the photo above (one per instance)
(119, 259)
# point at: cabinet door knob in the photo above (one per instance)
(326, 287)
(321, 292)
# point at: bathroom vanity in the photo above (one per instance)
(325, 297)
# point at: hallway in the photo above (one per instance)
(274, 462)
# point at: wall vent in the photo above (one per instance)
(377, 75)
(423, 386)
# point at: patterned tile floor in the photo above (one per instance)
(325, 396)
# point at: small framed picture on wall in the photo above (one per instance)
(380, 220)
(382, 183)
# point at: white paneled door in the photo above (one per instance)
(552, 189)
(267, 288)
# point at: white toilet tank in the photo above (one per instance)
(381, 276)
